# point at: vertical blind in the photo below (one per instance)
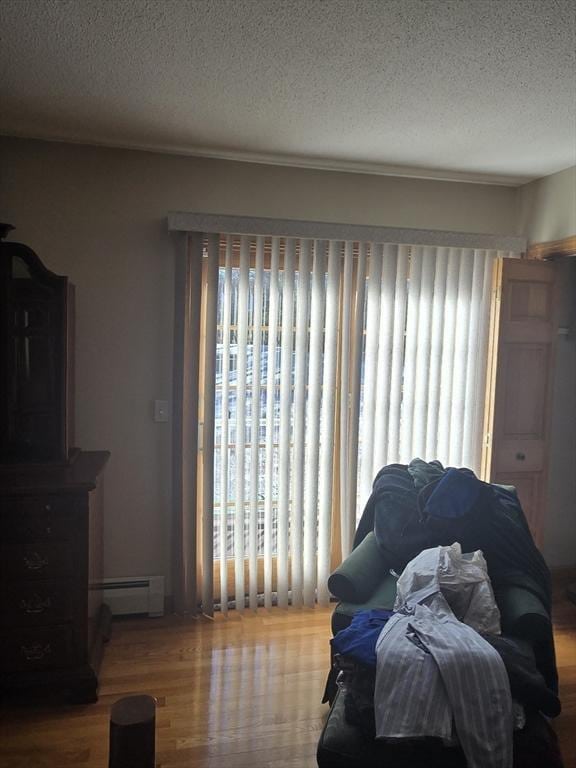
(324, 361)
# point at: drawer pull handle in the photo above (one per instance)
(35, 604)
(32, 532)
(35, 562)
(36, 651)
(520, 456)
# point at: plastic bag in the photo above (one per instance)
(461, 578)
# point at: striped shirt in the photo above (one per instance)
(436, 676)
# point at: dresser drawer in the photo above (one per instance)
(51, 503)
(31, 603)
(51, 622)
(36, 560)
(40, 648)
(33, 518)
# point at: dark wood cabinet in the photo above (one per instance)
(52, 619)
(51, 612)
(36, 346)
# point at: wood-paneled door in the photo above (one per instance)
(520, 383)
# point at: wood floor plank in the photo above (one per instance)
(242, 692)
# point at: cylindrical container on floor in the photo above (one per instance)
(133, 732)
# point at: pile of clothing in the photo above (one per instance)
(422, 505)
(437, 666)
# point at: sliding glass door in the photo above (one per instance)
(332, 359)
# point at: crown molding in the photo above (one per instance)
(553, 249)
(294, 161)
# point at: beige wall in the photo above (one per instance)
(560, 532)
(99, 216)
(547, 207)
(546, 212)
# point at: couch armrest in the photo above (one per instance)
(356, 579)
(383, 597)
(523, 614)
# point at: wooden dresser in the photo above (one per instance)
(52, 620)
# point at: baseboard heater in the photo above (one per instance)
(135, 595)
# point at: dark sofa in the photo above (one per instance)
(364, 581)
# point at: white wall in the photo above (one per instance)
(547, 207)
(560, 532)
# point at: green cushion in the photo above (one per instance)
(356, 579)
(523, 614)
(382, 597)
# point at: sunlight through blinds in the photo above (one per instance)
(332, 359)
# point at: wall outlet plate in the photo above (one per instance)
(161, 410)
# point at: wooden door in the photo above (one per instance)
(524, 331)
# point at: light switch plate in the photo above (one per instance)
(160, 410)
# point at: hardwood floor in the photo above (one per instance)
(237, 693)
(564, 613)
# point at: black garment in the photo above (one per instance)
(526, 683)
(424, 472)
(393, 477)
(358, 682)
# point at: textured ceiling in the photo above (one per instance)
(480, 88)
